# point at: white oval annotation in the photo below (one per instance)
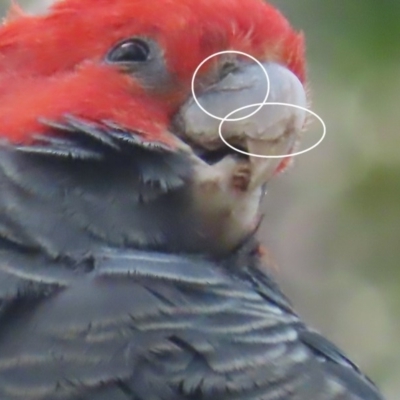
(258, 105)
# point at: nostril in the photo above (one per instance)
(227, 68)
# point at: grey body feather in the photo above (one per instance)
(95, 305)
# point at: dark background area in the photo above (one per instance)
(332, 221)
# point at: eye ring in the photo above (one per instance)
(129, 51)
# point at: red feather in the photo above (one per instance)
(53, 64)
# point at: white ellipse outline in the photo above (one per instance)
(231, 119)
(277, 104)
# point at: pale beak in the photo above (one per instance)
(272, 131)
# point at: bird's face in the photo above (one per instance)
(130, 64)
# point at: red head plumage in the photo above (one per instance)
(53, 64)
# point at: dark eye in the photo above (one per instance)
(129, 51)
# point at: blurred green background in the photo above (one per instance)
(333, 220)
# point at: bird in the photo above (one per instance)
(130, 266)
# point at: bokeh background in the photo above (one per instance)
(332, 221)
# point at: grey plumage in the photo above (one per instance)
(145, 325)
(92, 312)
